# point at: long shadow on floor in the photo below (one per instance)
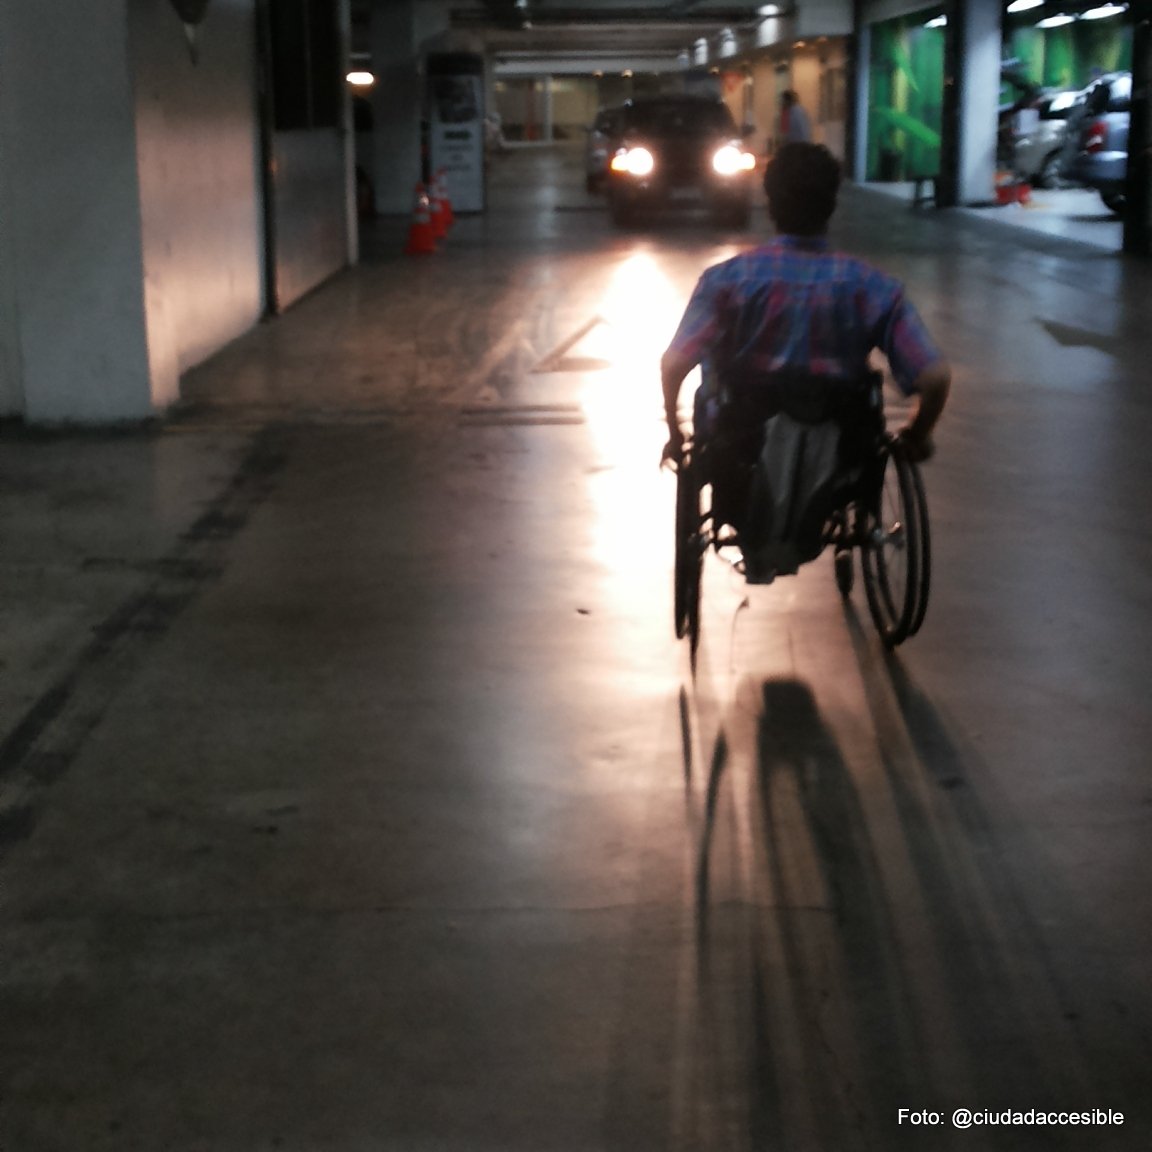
(890, 958)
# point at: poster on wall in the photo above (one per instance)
(456, 126)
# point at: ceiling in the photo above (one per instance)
(571, 29)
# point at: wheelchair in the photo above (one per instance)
(875, 506)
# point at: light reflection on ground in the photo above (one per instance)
(632, 497)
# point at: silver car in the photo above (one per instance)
(1043, 129)
(1098, 138)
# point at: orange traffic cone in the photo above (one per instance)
(421, 236)
(441, 186)
(436, 212)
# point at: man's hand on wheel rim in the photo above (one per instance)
(919, 447)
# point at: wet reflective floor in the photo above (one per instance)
(372, 804)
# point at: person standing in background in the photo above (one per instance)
(794, 124)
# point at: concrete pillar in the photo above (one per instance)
(971, 99)
(74, 341)
(1138, 214)
(396, 105)
(402, 31)
(859, 69)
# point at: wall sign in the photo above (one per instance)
(455, 102)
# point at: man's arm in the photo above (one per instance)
(674, 367)
(931, 388)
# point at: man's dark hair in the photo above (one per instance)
(802, 181)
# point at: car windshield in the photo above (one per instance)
(1059, 107)
(681, 119)
(1111, 94)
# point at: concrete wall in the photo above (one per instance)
(824, 18)
(71, 302)
(130, 228)
(11, 373)
(200, 199)
(770, 77)
(574, 104)
(131, 203)
(311, 231)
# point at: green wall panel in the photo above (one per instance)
(905, 98)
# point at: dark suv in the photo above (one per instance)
(603, 137)
(680, 151)
(1099, 138)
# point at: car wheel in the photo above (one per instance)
(1049, 174)
(623, 213)
(1114, 202)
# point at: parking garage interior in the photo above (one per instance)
(355, 790)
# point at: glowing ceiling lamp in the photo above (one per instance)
(1104, 11)
(1024, 5)
(938, 22)
(1057, 21)
(360, 79)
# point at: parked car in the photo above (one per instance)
(603, 137)
(1040, 131)
(1097, 153)
(677, 151)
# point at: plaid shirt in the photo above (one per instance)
(794, 304)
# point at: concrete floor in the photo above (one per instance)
(354, 794)
(1075, 214)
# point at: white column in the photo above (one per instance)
(979, 98)
(73, 325)
(859, 105)
(546, 134)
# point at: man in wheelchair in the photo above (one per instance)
(789, 327)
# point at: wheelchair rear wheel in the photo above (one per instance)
(896, 550)
(689, 551)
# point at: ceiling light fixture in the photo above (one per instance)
(1024, 5)
(938, 22)
(360, 79)
(1057, 21)
(1104, 11)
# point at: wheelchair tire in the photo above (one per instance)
(896, 553)
(925, 549)
(845, 573)
(689, 560)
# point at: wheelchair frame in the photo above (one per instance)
(888, 524)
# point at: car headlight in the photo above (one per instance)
(730, 160)
(634, 161)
